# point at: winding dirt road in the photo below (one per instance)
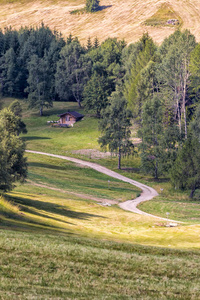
(131, 205)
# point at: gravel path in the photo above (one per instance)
(131, 205)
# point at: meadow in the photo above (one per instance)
(58, 240)
(124, 19)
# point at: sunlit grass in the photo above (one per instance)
(163, 14)
(69, 267)
(56, 242)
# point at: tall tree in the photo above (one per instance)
(106, 61)
(144, 52)
(73, 71)
(89, 45)
(185, 173)
(174, 74)
(115, 127)
(151, 133)
(96, 94)
(8, 73)
(16, 108)
(13, 166)
(39, 84)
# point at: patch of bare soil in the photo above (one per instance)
(92, 153)
(83, 196)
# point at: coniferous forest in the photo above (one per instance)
(156, 87)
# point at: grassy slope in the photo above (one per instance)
(118, 18)
(66, 267)
(72, 179)
(58, 246)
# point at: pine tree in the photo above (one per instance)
(96, 94)
(144, 54)
(89, 44)
(96, 43)
(39, 83)
(92, 5)
(115, 127)
(185, 173)
(72, 73)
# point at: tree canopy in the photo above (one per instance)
(13, 165)
(115, 127)
(92, 5)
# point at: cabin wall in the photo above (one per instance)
(67, 119)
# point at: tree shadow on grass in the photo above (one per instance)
(48, 166)
(29, 210)
(57, 209)
(30, 138)
(131, 170)
(104, 7)
(21, 220)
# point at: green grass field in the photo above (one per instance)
(35, 266)
(57, 240)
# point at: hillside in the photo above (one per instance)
(117, 18)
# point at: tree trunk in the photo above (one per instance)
(184, 98)
(41, 111)
(119, 159)
(79, 103)
(156, 170)
(192, 192)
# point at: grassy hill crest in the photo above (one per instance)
(122, 19)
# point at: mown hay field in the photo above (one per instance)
(124, 19)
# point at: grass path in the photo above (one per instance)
(147, 192)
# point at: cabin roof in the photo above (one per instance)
(72, 113)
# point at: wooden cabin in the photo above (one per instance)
(69, 118)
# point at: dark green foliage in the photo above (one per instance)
(151, 133)
(13, 166)
(95, 94)
(39, 83)
(89, 45)
(16, 50)
(92, 5)
(115, 127)
(16, 108)
(185, 173)
(159, 143)
(9, 70)
(107, 64)
(96, 43)
(195, 74)
(195, 124)
(73, 71)
(143, 53)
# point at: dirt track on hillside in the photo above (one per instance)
(148, 193)
(123, 19)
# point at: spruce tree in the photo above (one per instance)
(92, 5)
(115, 127)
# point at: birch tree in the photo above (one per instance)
(174, 74)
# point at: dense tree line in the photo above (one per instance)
(157, 87)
